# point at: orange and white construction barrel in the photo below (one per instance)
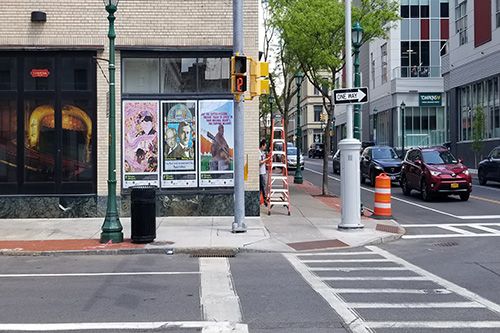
(382, 207)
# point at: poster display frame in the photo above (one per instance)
(221, 182)
(179, 183)
(145, 178)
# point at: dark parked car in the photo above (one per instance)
(378, 159)
(336, 162)
(316, 150)
(435, 170)
(489, 169)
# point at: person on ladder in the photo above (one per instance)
(263, 170)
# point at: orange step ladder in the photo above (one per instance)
(277, 192)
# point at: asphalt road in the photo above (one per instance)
(482, 209)
(408, 286)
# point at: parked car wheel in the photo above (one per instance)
(404, 186)
(424, 190)
(464, 196)
(482, 179)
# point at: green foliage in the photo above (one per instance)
(313, 31)
(478, 129)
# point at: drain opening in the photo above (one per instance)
(214, 253)
(445, 244)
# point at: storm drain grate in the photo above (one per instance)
(214, 253)
(445, 244)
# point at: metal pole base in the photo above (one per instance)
(350, 186)
(297, 179)
(236, 228)
(113, 236)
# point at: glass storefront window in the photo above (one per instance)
(39, 74)
(76, 150)
(8, 141)
(76, 73)
(213, 74)
(8, 74)
(140, 75)
(40, 140)
(178, 75)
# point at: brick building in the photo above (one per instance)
(172, 92)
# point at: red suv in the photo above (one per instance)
(435, 170)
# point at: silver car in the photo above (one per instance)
(291, 155)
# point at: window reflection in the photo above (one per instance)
(178, 75)
(8, 141)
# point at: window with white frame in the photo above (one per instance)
(383, 58)
(373, 69)
(498, 13)
(461, 21)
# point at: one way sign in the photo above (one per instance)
(350, 96)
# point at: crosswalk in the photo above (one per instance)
(373, 289)
(452, 230)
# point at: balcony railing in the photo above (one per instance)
(416, 72)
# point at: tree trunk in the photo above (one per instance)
(326, 155)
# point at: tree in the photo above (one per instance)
(478, 129)
(313, 33)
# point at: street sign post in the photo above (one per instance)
(350, 96)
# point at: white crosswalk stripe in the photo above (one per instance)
(406, 287)
(451, 230)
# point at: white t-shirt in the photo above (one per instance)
(262, 168)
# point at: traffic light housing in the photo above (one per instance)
(259, 82)
(238, 74)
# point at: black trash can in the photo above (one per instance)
(143, 214)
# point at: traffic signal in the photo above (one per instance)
(238, 74)
(259, 82)
(323, 117)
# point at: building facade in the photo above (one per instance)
(405, 69)
(471, 72)
(174, 109)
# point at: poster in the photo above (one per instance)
(216, 143)
(179, 150)
(140, 143)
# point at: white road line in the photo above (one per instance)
(352, 269)
(476, 217)
(433, 324)
(93, 274)
(457, 230)
(218, 298)
(375, 278)
(415, 305)
(390, 291)
(225, 327)
(335, 254)
(447, 236)
(343, 260)
(440, 281)
(450, 224)
(483, 228)
(348, 315)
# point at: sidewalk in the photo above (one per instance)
(311, 226)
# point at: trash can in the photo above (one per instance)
(143, 214)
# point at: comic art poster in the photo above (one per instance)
(179, 144)
(140, 143)
(216, 143)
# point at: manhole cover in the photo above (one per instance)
(446, 244)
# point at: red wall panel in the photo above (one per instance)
(445, 29)
(424, 29)
(482, 22)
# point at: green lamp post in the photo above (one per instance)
(299, 77)
(112, 228)
(357, 37)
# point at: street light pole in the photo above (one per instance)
(349, 147)
(111, 228)
(299, 77)
(402, 107)
(357, 34)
